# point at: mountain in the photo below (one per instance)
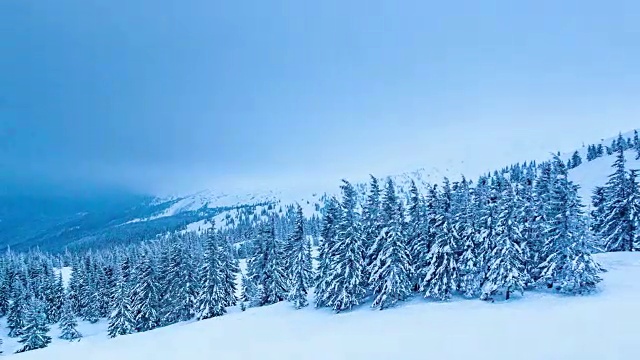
(56, 222)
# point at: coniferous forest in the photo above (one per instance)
(523, 228)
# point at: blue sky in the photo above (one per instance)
(171, 96)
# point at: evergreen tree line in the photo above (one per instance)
(519, 228)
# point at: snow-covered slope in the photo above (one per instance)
(588, 175)
(537, 326)
(596, 172)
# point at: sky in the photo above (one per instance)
(163, 96)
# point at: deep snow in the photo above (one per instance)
(539, 325)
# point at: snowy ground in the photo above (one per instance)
(537, 326)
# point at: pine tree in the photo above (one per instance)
(17, 309)
(230, 270)
(211, 300)
(506, 270)
(469, 264)
(146, 302)
(636, 144)
(177, 300)
(121, 320)
(249, 295)
(68, 323)
(34, 334)
(267, 265)
(617, 229)
(391, 274)
(347, 285)
(301, 268)
(325, 255)
(441, 277)
(417, 241)
(568, 265)
(372, 223)
(576, 160)
(634, 205)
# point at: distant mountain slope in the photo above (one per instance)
(56, 222)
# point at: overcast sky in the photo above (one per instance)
(172, 96)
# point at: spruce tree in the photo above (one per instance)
(121, 320)
(372, 223)
(301, 268)
(267, 265)
(230, 270)
(391, 274)
(177, 300)
(17, 309)
(506, 269)
(347, 285)
(617, 230)
(416, 232)
(442, 273)
(211, 299)
(146, 302)
(325, 254)
(34, 334)
(68, 323)
(568, 265)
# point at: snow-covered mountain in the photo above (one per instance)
(588, 175)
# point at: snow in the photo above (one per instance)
(66, 275)
(540, 325)
(596, 172)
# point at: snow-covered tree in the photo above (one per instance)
(568, 265)
(211, 300)
(617, 229)
(300, 264)
(416, 232)
(146, 302)
(68, 324)
(391, 273)
(17, 309)
(372, 223)
(442, 272)
(121, 320)
(34, 335)
(506, 269)
(325, 255)
(347, 285)
(266, 266)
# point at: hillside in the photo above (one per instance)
(537, 326)
(56, 223)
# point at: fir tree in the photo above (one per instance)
(417, 232)
(34, 334)
(347, 285)
(568, 265)
(617, 229)
(17, 309)
(300, 262)
(230, 270)
(177, 300)
(636, 144)
(267, 265)
(121, 320)
(441, 277)
(325, 255)
(506, 270)
(372, 223)
(576, 160)
(146, 302)
(211, 300)
(391, 274)
(68, 323)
